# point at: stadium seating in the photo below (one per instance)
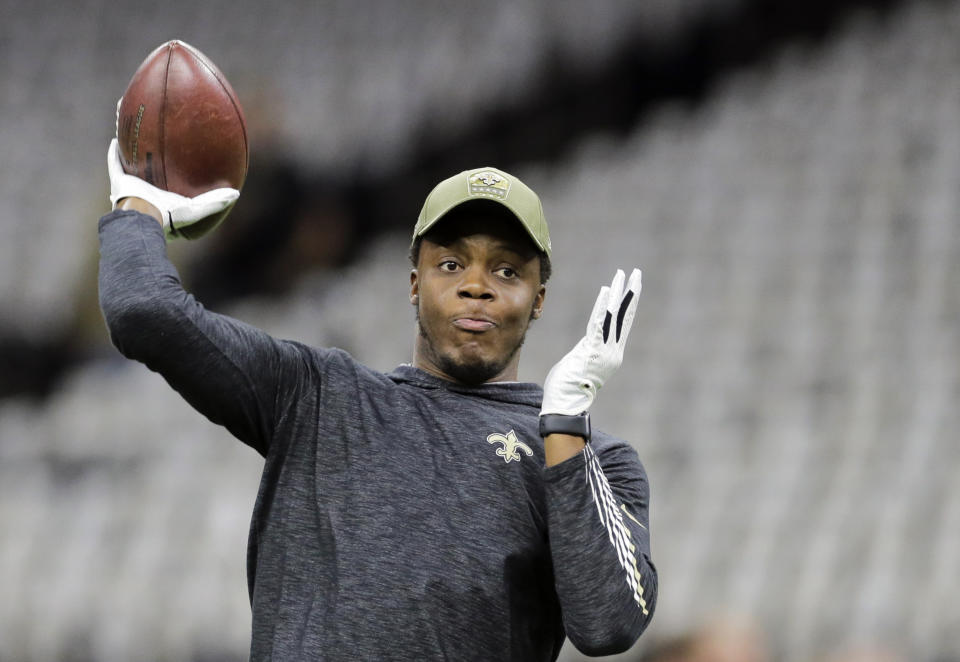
(791, 383)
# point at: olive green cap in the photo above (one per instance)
(486, 184)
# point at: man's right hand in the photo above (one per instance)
(173, 211)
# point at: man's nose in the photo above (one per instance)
(475, 284)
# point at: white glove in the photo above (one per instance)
(178, 211)
(573, 382)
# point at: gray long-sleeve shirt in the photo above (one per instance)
(399, 516)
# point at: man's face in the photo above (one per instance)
(476, 288)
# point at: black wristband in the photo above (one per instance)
(578, 426)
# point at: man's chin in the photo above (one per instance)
(470, 363)
(472, 372)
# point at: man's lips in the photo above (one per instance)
(474, 324)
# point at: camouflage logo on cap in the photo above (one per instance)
(489, 183)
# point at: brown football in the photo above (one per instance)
(180, 127)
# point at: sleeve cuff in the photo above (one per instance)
(132, 215)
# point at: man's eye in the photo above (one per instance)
(449, 265)
(507, 272)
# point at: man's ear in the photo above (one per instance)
(414, 287)
(538, 302)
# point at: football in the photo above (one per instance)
(181, 128)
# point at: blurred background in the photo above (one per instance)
(787, 174)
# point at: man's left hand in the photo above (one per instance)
(572, 384)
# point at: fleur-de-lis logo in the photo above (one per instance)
(489, 178)
(511, 446)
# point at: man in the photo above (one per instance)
(444, 511)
